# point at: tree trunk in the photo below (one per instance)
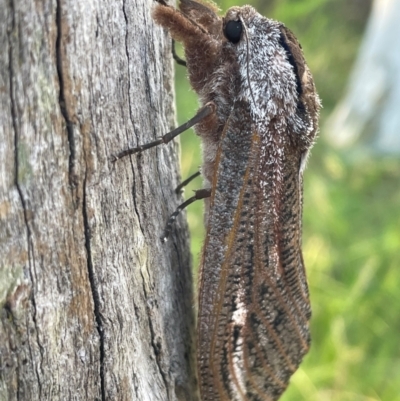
(93, 305)
(368, 117)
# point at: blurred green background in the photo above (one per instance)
(351, 240)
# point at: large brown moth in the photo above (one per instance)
(258, 121)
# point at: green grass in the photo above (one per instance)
(351, 241)
(352, 253)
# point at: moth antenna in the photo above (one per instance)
(247, 59)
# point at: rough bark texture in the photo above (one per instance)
(93, 305)
(368, 116)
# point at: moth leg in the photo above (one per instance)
(184, 183)
(205, 111)
(199, 194)
(175, 56)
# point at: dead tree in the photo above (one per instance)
(93, 305)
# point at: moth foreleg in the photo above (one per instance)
(199, 194)
(205, 111)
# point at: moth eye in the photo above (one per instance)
(233, 31)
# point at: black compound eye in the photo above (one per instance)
(233, 31)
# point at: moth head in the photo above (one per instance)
(274, 74)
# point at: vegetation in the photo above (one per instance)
(351, 224)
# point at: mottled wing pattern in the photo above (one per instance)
(254, 308)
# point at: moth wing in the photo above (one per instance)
(253, 298)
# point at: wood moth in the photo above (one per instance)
(258, 121)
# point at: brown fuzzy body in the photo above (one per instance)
(254, 310)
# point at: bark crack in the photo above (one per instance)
(73, 182)
(129, 60)
(94, 290)
(146, 76)
(61, 99)
(131, 114)
(17, 184)
(156, 345)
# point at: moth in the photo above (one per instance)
(258, 122)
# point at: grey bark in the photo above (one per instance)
(92, 305)
(368, 117)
